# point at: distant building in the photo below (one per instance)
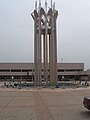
(25, 71)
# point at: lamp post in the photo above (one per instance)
(32, 77)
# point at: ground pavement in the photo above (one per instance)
(43, 104)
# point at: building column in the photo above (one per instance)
(35, 53)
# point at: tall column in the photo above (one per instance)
(39, 51)
(50, 60)
(55, 42)
(53, 48)
(44, 58)
(46, 52)
(35, 47)
(52, 53)
(35, 54)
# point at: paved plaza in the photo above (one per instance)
(43, 104)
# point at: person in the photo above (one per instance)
(57, 86)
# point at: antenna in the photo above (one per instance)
(35, 5)
(51, 3)
(39, 3)
(46, 5)
(61, 60)
(54, 6)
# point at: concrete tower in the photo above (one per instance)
(45, 44)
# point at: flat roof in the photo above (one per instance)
(31, 65)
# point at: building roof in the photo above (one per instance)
(70, 65)
(31, 65)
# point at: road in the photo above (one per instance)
(43, 104)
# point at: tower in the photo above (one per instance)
(45, 44)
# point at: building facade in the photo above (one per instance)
(25, 71)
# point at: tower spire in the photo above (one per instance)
(35, 5)
(51, 3)
(46, 5)
(39, 3)
(54, 6)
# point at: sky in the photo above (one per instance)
(17, 33)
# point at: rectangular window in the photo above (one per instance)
(4, 70)
(60, 70)
(15, 70)
(26, 70)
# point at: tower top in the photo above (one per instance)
(46, 5)
(54, 6)
(39, 3)
(51, 3)
(35, 5)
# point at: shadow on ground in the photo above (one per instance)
(85, 114)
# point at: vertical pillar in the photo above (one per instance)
(50, 59)
(39, 51)
(53, 48)
(55, 43)
(46, 52)
(35, 52)
(44, 57)
(52, 52)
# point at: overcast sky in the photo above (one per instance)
(73, 31)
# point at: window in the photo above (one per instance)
(26, 70)
(60, 70)
(17, 77)
(15, 70)
(4, 70)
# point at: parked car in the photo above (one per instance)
(86, 102)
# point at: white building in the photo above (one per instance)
(25, 71)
